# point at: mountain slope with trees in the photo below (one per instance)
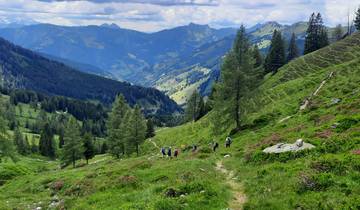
(25, 69)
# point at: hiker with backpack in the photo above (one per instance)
(228, 142)
(215, 146)
(169, 152)
(163, 152)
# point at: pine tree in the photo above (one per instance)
(34, 147)
(316, 34)
(20, 142)
(104, 148)
(73, 148)
(46, 143)
(136, 129)
(192, 108)
(89, 147)
(237, 79)
(338, 33)
(276, 57)
(257, 56)
(150, 131)
(357, 19)
(116, 128)
(6, 147)
(293, 51)
(61, 137)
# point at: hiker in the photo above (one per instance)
(194, 148)
(176, 153)
(228, 142)
(215, 146)
(163, 152)
(169, 152)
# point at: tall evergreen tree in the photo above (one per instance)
(237, 79)
(192, 108)
(293, 51)
(116, 128)
(89, 148)
(357, 19)
(338, 33)
(20, 142)
(73, 148)
(6, 147)
(276, 57)
(46, 143)
(316, 34)
(136, 127)
(150, 130)
(34, 147)
(257, 56)
(61, 137)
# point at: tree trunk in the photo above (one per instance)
(137, 149)
(87, 161)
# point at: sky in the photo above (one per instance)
(155, 15)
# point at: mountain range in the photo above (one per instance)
(175, 61)
(24, 69)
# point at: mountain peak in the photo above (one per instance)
(112, 25)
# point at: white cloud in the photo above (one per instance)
(153, 15)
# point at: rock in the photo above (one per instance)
(38, 208)
(226, 156)
(282, 147)
(202, 191)
(335, 101)
(182, 196)
(335, 125)
(299, 142)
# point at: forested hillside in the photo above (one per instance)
(25, 69)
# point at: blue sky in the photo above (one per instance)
(154, 15)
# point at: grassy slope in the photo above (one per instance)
(273, 182)
(270, 182)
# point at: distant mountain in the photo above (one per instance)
(15, 22)
(23, 68)
(176, 60)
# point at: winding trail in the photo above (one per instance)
(155, 145)
(239, 198)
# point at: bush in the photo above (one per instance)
(261, 157)
(316, 182)
(167, 204)
(206, 150)
(329, 165)
(345, 124)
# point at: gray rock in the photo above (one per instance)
(335, 101)
(282, 147)
(335, 125)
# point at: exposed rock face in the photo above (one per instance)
(282, 147)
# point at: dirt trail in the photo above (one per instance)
(155, 145)
(239, 197)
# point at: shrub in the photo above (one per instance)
(345, 124)
(167, 204)
(206, 150)
(329, 165)
(316, 182)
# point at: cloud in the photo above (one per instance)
(154, 15)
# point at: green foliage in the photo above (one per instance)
(136, 130)
(345, 124)
(89, 148)
(357, 19)
(257, 56)
(73, 148)
(293, 51)
(316, 34)
(276, 57)
(6, 146)
(195, 108)
(150, 130)
(22, 145)
(338, 33)
(47, 144)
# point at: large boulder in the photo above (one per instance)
(282, 147)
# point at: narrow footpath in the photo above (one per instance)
(239, 197)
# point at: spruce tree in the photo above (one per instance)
(73, 148)
(20, 142)
(150, 131)
(34, 147)
(46, 142)
(257, 56)
(89, 148)
(237, 79)
(136, 127)
(316, 34)
(293, 51)
(276, 57)
(338, 33)
(6, 147)
(116, 140)
(192, 107)
(357, 19)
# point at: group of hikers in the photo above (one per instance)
(168, 152)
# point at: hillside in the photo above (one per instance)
(323, 178)
(23, 68)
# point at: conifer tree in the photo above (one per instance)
(192, 108)
(136, 127)
(61, 137)
(276, 57)
(34, 147)
(150, 131)
(103, 148)
(237, 79)
(73, 148)
(338, 33)
(46, 143)
(257, 56)
(116, 141)
(357, 19)
(316, 34)
(293, 51)
(19, 142)
(6, 147)
(89, 148)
